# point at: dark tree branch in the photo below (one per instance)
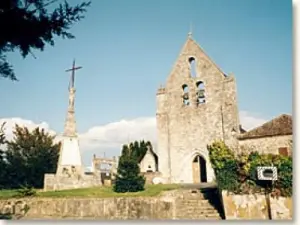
(31, 26)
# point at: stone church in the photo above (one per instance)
(196, 106)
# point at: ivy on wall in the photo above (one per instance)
(238, 173)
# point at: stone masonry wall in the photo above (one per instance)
(254, 207)
(267, 144)
(88, 208)
(171, 205)
(150, 175)
(202, 124)
(282, 208)
(54, 182)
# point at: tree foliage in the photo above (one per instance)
(128, 178)
(27, 158)
(238, 173)
(2, 160)
(29, 24)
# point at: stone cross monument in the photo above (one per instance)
(70, 172)
(70, 162)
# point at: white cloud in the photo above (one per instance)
(251, 120)
(11, 122)
(110, 137)
(115, 134)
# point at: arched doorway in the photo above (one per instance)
(199, 170)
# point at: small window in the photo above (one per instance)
(193, 69)
(185, 96)
(200, 92)
(283, 151)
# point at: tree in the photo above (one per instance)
(27, 25)
(2, 160)
(128, 178)
(125, 151)
(29, 156)
(138, 149)
(2, 135)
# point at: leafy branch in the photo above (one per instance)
(27, 25)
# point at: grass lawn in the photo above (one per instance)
(101, 192)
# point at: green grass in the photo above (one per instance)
(100, 192)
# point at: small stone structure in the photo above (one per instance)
(107, 176)
(70, 170)
(149, 166)
(149, 163)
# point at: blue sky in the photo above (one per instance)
(127, 49)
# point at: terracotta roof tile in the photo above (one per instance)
(281, 125)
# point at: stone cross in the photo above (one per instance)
(70, 124)
(73, 74)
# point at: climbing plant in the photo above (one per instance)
(237, 173)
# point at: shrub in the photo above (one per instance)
(227, 177)
(26, 192)
(238, 174)
(219, 154)
(225, 166)
(284, 184)
(128, 178)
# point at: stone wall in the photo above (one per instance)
(267, 144)
(282, 208)
(254, 207)
(53, 182)
(172, 205)
(99, 208)
(150, 175)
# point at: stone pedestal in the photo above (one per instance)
(54, 182)
(70, 171)
(69, 162)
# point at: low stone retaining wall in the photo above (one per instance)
(176, 204)
(85, 208)
(255, 207)
(281, 208)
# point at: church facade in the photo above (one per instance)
(197, 106)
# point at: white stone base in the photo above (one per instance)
(70, 153)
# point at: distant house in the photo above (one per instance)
(273, 137)
(149, 163)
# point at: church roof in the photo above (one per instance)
(281, 125)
